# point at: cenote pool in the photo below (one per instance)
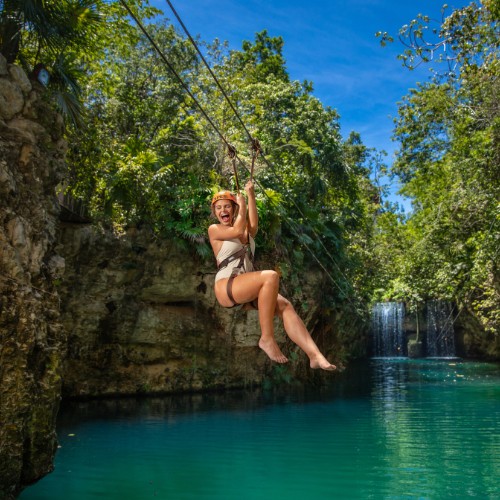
(388, 429)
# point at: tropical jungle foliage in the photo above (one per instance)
(142, 154)
(448, 163)
(66, 36)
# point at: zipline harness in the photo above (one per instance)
(241, 254)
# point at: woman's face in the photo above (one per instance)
(224, 211)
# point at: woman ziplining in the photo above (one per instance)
(237, 285)
(232, 151)
(251, 286)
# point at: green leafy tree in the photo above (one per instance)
(263, 58)
(448, 164)
(150, 158)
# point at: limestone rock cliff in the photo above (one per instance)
(142, 317)
(472, 339)
(94, 313)
(32, 156)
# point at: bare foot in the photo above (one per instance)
(321, 362)
(270, 347)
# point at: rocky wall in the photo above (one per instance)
(32, 157)
(86, 313)
(142, 317)
(473, 340)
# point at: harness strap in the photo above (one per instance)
(240, 254)
(230, 289)
(230, 294)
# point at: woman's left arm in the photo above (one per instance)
(253, 217)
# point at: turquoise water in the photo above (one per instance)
(386, 430)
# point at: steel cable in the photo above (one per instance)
(209, 69)
(165, 60)
(280, 181)
(305, 244)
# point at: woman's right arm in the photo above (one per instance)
(220, 232)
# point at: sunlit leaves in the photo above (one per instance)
(449, 164)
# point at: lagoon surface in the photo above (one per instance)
(387, 429)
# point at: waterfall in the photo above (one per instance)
(387, 324)
(440, 335)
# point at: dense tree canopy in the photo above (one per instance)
(142, 154)
(448, 164)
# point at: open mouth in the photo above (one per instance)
(224, 217)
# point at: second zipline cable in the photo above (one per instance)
(278, 178)
(230, 147)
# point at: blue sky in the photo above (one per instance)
(331, 43)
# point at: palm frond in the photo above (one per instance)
(180, 243)
(64, 82)
(319, 187)
(203, 250)
(305, 240)
(40, 16)
(57, 24)
(69, 106)
(83, 16)
(66, 72)
(82, 20)
(194, 234)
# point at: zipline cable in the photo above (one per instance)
(280, 181)
(209, 69)
(231, 153)
(287, 220)
(230, 147)
(165, 60)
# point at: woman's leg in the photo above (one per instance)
(297, 331)
(247, 287)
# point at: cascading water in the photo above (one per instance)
(440, 335)
(387, 324)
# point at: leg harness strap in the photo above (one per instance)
(240, 254)
(230, 289)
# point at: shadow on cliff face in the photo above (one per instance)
(142, 317)
(354, 383)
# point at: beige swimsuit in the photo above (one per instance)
(228, 248)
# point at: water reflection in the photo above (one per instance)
(387, 429)
(439, 425)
